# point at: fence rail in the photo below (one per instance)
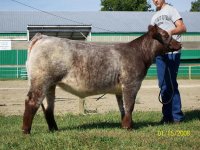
(12, 65)
(19, 72)
(186, 71)
(13, 72)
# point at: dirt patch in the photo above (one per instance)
(13, 94)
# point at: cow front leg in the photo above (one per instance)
(129, 95)
(120, 105)
(32, 104)
(49, 112)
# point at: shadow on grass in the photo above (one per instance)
(189, 116)
(109, 125)
(192, 115)
(99, 125)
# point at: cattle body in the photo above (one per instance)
(86, 69)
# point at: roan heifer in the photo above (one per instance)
(86, 69)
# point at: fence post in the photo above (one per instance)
(190, 73)
(82, 106)
(17, 65)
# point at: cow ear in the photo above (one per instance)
(150, 27)
(153, 30)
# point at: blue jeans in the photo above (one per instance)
(167, 78)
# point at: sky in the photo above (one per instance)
(75, 5)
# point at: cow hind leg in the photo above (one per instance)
(49, 111)
(34, 99)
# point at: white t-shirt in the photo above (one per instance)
(166, 18)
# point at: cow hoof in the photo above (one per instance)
(127, 123)
(53, 129)
(127, 127)
(26, 131)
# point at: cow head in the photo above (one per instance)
(165, 41)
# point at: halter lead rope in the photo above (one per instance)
(172, 86)
(100, 97)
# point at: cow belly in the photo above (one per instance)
(83, 88)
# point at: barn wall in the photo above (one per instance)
(19, 40)
(189, 40)
(12, 62)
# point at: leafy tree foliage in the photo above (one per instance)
(125, 5)
(195, 6)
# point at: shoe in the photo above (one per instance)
(165, 121)
(176, 122)
(169, 121)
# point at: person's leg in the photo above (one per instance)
(173, 64)
(163, 79)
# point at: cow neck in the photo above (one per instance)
(144, 45)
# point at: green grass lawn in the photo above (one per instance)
(102, 131)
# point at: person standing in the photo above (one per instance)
(169, 19)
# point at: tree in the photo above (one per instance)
(195, 6)
(125, 5)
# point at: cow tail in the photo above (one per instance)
(36, 37)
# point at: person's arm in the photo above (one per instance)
(180, 28)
